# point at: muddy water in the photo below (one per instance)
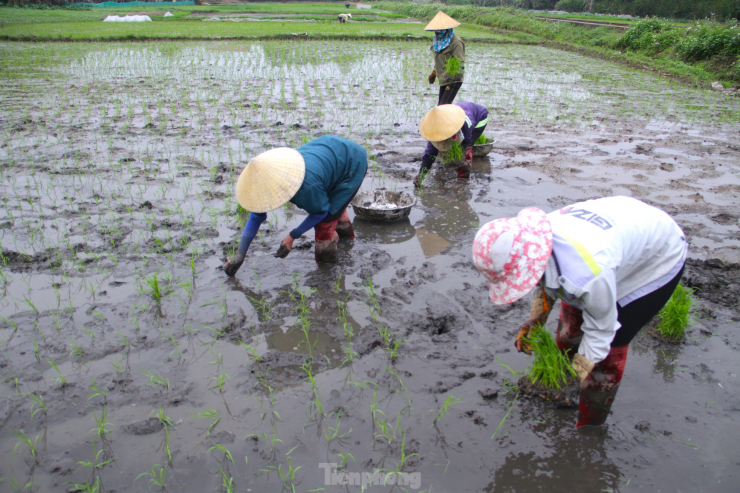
(117, 162)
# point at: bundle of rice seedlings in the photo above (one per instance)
(455, 153)
(453, 67)
(481, 140)
(550, 368)
(674, 318)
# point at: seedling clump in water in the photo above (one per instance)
(675, 316)
(551, 368)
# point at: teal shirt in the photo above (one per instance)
(335, 168)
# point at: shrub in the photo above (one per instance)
(550, 368)
(707, 40)
(571, 5)
(674, 318)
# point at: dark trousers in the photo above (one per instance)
(448, 92)
(634, 316)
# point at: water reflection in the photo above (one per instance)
(384, 233)
(448, 218)
(578, 464)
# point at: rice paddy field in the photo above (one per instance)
(130, 362)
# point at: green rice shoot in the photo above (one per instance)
(551, 368)
(455, 153)
(674, 318)
(482, 140)
(453, 67)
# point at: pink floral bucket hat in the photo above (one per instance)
(512, 253)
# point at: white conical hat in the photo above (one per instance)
(270, 179)
(441, 21)
(442, 122)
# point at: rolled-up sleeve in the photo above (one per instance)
(599, 304)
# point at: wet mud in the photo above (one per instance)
(118, 163)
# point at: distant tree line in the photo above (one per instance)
(675, 9)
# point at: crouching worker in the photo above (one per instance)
(447, 124)
(344, 17)
(613, 262)
(321, 177)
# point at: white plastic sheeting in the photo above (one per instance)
(128, 18)
(168, 15)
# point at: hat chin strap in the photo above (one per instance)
(501, 250)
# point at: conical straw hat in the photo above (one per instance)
(441, 21)
(442, 122)
(270, 179)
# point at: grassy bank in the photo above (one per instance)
(276, 20)
(698, 53)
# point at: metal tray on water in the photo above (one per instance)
(480, 150)
(383, 205)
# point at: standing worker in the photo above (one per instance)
(449, 57)
(446, 124)
(321, 177)
(613, 262)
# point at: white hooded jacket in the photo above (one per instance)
(606, 252)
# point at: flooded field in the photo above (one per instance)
(130, 362)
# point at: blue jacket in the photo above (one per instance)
(335, 168)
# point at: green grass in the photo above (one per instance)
(199, 29)
(675, 317)
(550, 368)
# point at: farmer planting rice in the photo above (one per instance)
(343, 17)
(448, 127)
(449, 57)
(613, 262)
(321, 177)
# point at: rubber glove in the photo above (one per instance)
(582, 366)
(541, 308)
(432, 76)
(469, 155)
(232, 265)
(285, 247)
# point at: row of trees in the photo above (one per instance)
(676, 9)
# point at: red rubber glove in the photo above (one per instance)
(469, 155)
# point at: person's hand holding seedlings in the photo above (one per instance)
(541, 308)
(285, 247)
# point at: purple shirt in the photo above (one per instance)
(475, 114)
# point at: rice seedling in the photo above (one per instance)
(167, 423)
(97, 392)
(211, 414)
(101, 424)
(157, 476)
(23, 439)
(157, 379)
(675, 317)
(450, 401)
(454, 154)
(551, 368)
(38, 404)
(60, 380)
